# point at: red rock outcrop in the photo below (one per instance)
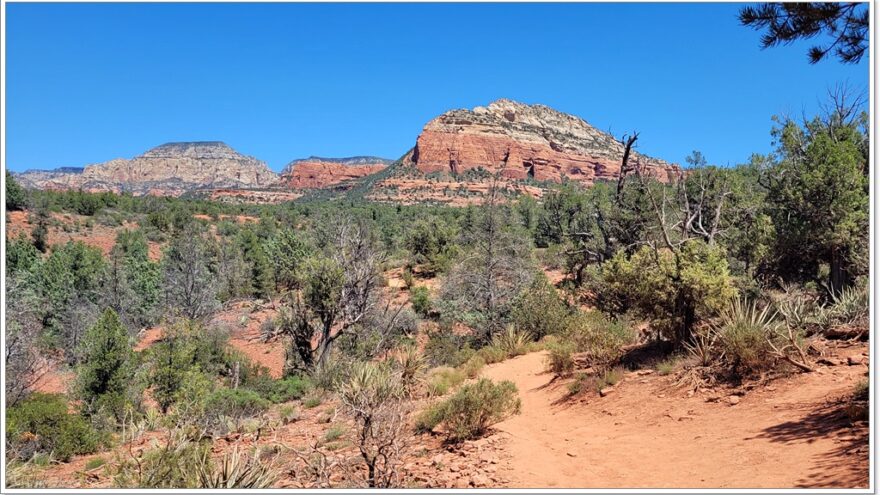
(317, 173)
(524, 141)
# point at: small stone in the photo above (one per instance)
(478, 480)
(644, 372)
(454, 468)
(462, 483)
(437, 460)
(605, 391)
(733, 400)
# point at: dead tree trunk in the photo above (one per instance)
(627, 142)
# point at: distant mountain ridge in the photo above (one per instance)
(527, 146)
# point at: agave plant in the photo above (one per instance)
(235, 470)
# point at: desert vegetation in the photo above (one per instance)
(387, 316)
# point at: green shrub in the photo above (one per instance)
(95, 463)
(744, 333)
(666, 367)
(42, 424)
(444, 348)
(472, 409)
(288, 414)
(407, 276)
(236, 403)
(290, 388)
(442, 380)
(581, 383)
(428, 419)
(312, 401)
(539, 310)
(600, 339)
(858, 407)
(175, 464)
(673, 290)
(421, 300)
(512, 341)
(334, 433)
(560, 358)
(610, 377)
(492, 354)
(473, 366)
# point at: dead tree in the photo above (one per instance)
(627, 141)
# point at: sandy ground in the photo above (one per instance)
(646, 434)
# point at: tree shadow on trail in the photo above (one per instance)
(845, 465)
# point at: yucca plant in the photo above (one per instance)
(235, 470)
(755, 339)
(744, 331)
(412, 365)
(703, 348)
(848, 306)
(372, 396)
(798, 312)
(512, 341)
(152, 418)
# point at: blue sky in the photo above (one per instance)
(91, 82)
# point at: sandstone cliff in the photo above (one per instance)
(181, 167)
(524, 141)
(58, 179)
(316, 172)
(169, 169)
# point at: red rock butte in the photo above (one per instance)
(522, 141)
(316, 172)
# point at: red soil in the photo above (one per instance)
(648, 434)
(99, 236)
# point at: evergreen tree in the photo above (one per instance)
(819, 197)
(106, 368)
(16, 197)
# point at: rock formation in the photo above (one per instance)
(316, 172)
(169, 169)
(524, 141)
(56, 179)
(183, 166)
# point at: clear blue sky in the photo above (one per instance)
(91, 82)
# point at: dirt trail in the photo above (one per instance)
(648, 435)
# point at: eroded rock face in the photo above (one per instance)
(169, 169)
(524, 141)
(316, 172)
(184, 166)
(57, 179)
